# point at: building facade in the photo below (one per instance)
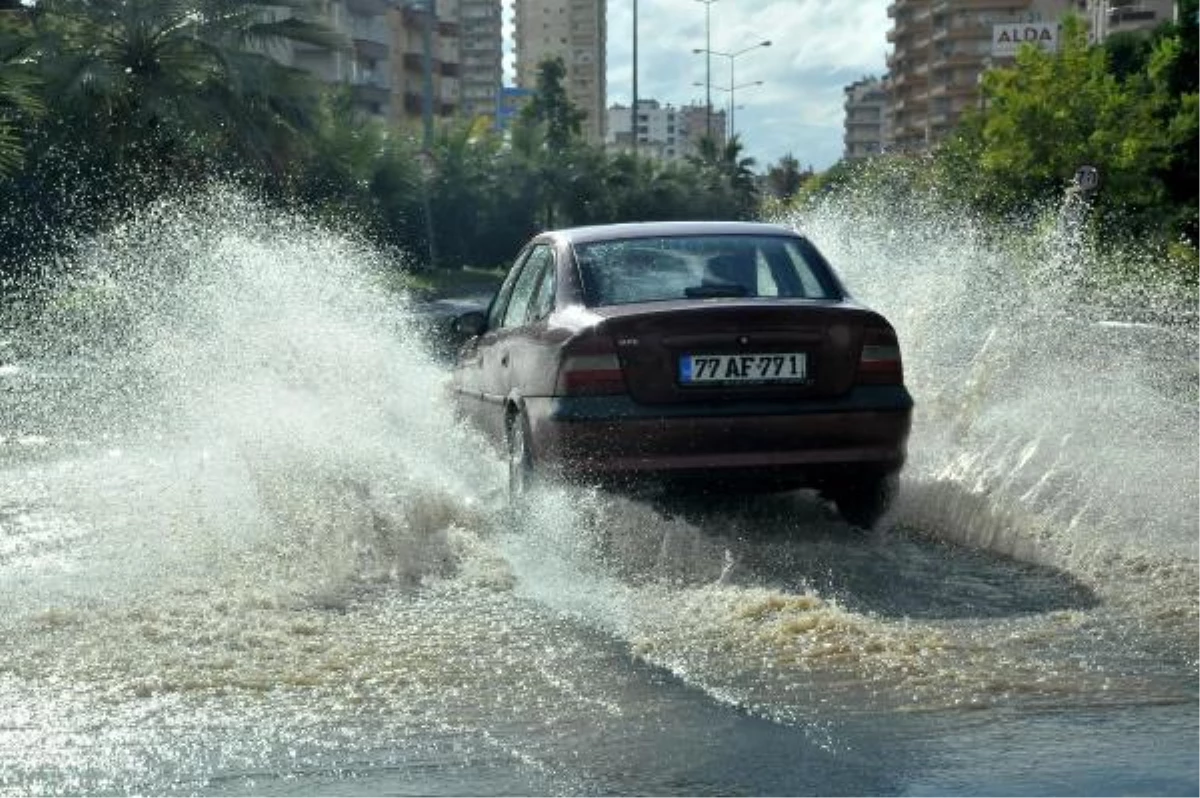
(1106, 17)
(481, 49)
(575, 31)
(940, 48)
(366, 66)
(866, 125)
(663, 131)
(414, 30)
(385, 63)
(699, 121)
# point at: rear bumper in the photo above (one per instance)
(799, 442)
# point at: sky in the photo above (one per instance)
(817, 48)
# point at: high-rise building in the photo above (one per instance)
(575, 31)
(481, 45)
(366, 67)
(1106, 17)
(866, 118)
(940, 48)
(416, 37)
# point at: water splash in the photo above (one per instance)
(222, 441)
(1056, 414)
(233, 392)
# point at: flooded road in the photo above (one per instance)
(245, 550)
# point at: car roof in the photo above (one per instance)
(613, 232)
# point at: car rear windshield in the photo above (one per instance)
(632, 270)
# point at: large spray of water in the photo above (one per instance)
(232, 392)
(223, 411)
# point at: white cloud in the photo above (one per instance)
(817, 48)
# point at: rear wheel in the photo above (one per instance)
(863, 500)
(521, 474)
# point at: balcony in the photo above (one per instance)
(365, 48)
(958, 33)
(368, 7)
(364, 76)
(1123, 14)
(950, 60)
(370, 95)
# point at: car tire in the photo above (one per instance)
(862, 501)
(522, 475)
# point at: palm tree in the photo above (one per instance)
(165, 74)
(19, 100)
(728, 173)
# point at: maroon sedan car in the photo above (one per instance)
(704, 353)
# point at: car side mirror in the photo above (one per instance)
(469, 325)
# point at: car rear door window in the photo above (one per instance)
(525, 287)
(543, 298)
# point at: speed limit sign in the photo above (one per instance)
(1087, 178)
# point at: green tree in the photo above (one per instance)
(784, 179)
(153, 78)
(20, 103)
(1053, 112)
(728, 177)
(551, 109)
(1172, 75)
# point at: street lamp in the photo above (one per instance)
(732, 58)
(732, 91)
(707, 64)
(633, 111)
(733, 106)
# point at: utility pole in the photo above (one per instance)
(633, 111)
(427, 29)
(427, 90)
(707, 65)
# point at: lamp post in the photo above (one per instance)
(733, 56)
(707, 65)
(633, 111)
(733, 106)
(731, 91)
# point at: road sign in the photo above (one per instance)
(1087, 178)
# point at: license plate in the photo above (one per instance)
(743, 368)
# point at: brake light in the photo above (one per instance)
(880, 360)
(590, 367)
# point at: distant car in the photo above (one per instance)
(724, 355)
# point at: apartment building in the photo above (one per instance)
(366, 66)
(384, 65)
(1106, 17)
(663, 131)
(574, 30)
(428, 29)
(481, 50)
(699, 121)
(866, 125)
(940, 48)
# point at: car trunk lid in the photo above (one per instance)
(734, 349)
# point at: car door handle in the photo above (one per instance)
(504, 359)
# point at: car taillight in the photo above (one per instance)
(590, 367)
(880, 360)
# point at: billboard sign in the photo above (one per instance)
(1008, 38)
